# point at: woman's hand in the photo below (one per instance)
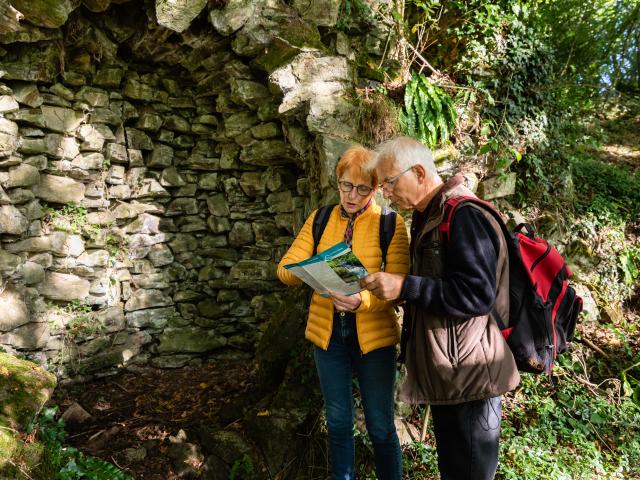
(346, 303)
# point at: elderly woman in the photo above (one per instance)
(355, 334)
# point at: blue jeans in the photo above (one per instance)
(468, 438)
(376, 375)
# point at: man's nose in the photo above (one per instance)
(353, 193)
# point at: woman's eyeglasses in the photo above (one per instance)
(363, 190)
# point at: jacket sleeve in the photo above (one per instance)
(397, 262)
(468, 287)
(300, 249)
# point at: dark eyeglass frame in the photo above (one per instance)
(362, 190)
(389, 183)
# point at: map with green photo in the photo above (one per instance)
(348, 267)
(336, 269)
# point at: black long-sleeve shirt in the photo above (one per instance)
(468, 286)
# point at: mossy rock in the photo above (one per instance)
(24, 388)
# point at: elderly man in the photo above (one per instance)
(457, 360)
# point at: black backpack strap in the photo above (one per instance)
(387, 230)
(319, 224)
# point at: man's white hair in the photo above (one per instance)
(405, 152)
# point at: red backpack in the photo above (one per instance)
(543, 308)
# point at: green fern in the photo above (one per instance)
(428, 114)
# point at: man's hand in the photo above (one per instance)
(345, 303)
(385, 286)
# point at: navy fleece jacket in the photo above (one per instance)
(468, 287)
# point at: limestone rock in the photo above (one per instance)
(310, 75)
(60, 146)
(31, 273)
(12, 221)
(161, 156)
(26, 388)
(22, 176)
(59, 243)
(45, 13)
(252, 270)
(138, 139)
(27, 94)
(75, 415)
(14, 310)
(63, 286)
(268, 152)
(177, 15)
(241, 234)
(8, 137)
(322, 13)
(8, 262)
(94, 97)
(156, 318)
(193, 340)
(233, 16)
(138, 91)
(63, 120)
(8, 104)
(38, 62)
(56, 189)
(142, 299)
(498, 187)
(160, 255)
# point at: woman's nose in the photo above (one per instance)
(353, 193)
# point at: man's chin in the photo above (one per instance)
(399, 206)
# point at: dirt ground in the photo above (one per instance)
(135, 414)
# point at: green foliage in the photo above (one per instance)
(428, 114)
(353, 13)
(71, 219)
(606, 190)
(421, 460)
(69, 463)
(568, 431)
(241, 467)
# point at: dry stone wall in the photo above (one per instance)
(150, 179)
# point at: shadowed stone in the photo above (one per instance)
(195, 340)
(141, 299)
(151, 318)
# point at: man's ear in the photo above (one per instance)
(420, 172)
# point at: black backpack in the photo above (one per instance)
(543, 307)
(387, 228)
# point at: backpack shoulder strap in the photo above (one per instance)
(387, 230)
(319, 224)
(451, 205)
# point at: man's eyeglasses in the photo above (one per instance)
(363, 190)
(389, 183)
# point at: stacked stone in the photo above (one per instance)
(149, 185)
(183, 202)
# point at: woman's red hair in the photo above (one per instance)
(356, 160)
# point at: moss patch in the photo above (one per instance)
(24, 389)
